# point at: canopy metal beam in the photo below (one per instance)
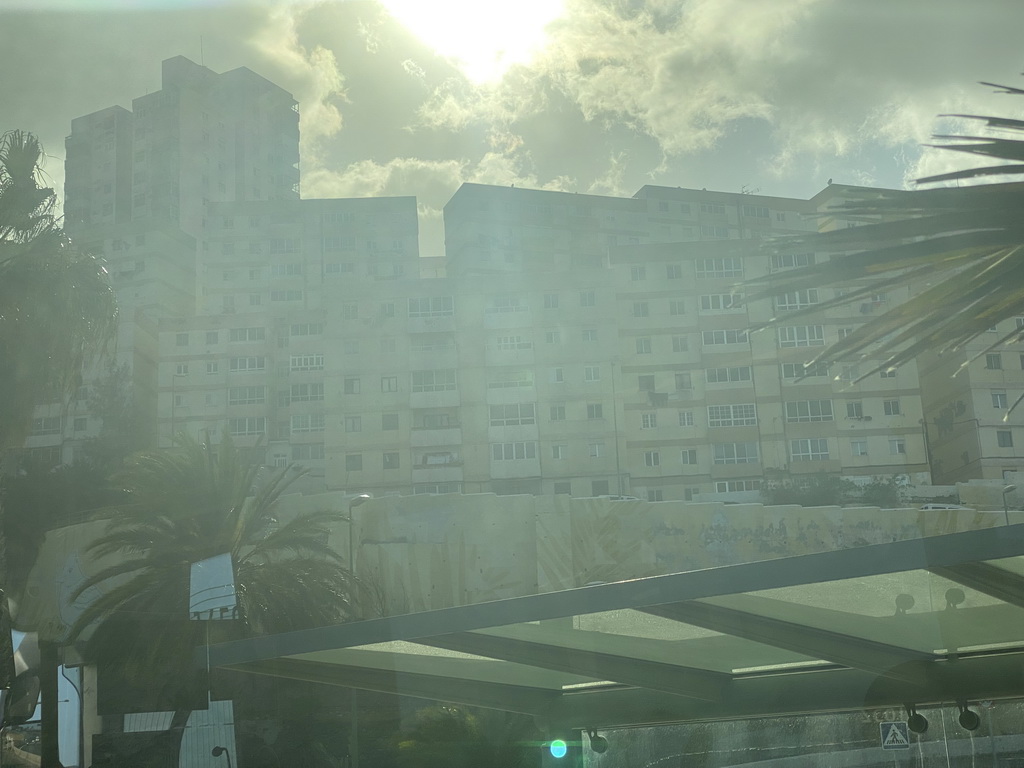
(988, 579)
(475, 693)
(868, 655)
(668, 678)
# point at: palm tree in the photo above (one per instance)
(965, 243)
(57, 307)
(183, 506)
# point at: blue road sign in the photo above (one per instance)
(895, 735)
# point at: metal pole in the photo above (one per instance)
(49, 743)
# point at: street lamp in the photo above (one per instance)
(353, 733)
(218, 751)
(1006, 506)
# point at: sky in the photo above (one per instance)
(405, 97)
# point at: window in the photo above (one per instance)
(722, 375)
(643, 345)
(389, 421)
(685, 418)
(387, 309)
(648, 420)
(247, 334)
(596, 450)
(179, 400)
(353, 423)
(645, 382)
(181, 369)
(598, 487)
(212, 337)
(350, 310)
(308, 452)
(552, 337)
(557, 413)
(994, 361)
(550, 301)
(81, 423)
(802, 336)
(306, 363)
(591, 373)
(353, 462)
(512, 342)
(715, 208)
(680, 344)
(726, 266)
(756, 211)
(350, 347)
(588, 299)
(684, 381)
(590, 334)
(801, 371)
(563, 488)
(999, 398)
(735, 453)
(257, 363)
(307, 329)
(655, 494)
(712, 338)
(247, 425)
(689, 455)
(1004, 438)
(300, 393)
(889, 374)
(391, 460)
(47, 425)
(790, 260)
(351, 385)
(510, 379)
(513, 415)
(513, 451)
(720, 301)
(676, 307)
(689, 494)
(308, 422)
(652, 458)
(247, 395)
(735, 486)
(897, 445)
(637, 273)
(212, 367)
(859, 447)
(434, 306)
(388, 383)
(595, 411)
(797, 299)
(809, 410)
(641, 309)
(891, 407)
(437, 421)
(813, 449)
(433, 380)
(674, 271)
(285, 270)
(855, 410)
(505, 304)
(559, 451)
(181, 339)
(741, 415)
(292, 294)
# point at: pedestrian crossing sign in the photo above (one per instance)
(895, 735)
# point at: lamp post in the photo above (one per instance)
(1007, 489)
(353, 732)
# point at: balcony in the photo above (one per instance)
(446, 398)
(515, 468)
(435, 437)
(437, 473)
(521, 355)
(432, 324)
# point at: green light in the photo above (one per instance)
(558, 748)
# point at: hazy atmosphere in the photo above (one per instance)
(600, 96)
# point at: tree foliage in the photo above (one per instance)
(960, 250)
(56, 304)
(183, 506)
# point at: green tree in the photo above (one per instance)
(182, 506)
(57, 307)
(965, 245)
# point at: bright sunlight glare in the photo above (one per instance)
(484, 38)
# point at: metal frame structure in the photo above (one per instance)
(741, 653)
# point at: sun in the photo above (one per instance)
(485, 38)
